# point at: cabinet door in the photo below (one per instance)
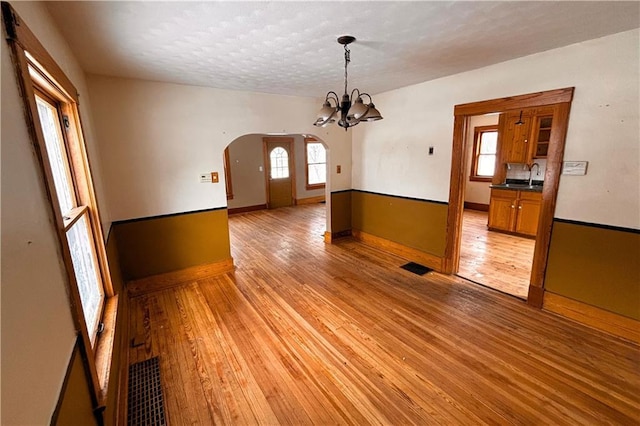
(502, 213)
(516, 138)
(527, 217)
(541, 136)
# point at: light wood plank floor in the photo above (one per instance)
(305, 332)
(496, 260)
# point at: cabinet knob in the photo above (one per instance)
(513, 207)
(519, 207)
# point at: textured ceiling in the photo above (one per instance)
(290, 47)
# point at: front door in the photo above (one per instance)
(280, 171)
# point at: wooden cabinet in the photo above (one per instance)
(523, 138)
(502, 209)
(514, 211)
(517, 132)
(541, 136)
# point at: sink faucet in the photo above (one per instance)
(531, 172)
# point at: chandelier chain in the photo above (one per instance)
(347, 59)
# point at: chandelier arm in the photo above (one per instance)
(368, 96)
(359, 94)
(335, 97)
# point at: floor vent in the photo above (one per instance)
(146, 403)
(416, 268)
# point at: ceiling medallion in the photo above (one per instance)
(350, 111)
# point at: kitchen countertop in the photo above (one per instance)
(519, 186)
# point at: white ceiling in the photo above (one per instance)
(290, 48)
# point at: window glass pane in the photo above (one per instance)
(488, 142)
(86, 271)
(57, 154)
(279, 163)
(316, 153)
(486, 165)
(317, 174)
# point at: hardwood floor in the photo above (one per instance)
(305, 332)
(496, 260)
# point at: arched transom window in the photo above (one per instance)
(279, 163)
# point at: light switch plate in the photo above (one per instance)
(574, 168)
(214, 177)
(338, 169)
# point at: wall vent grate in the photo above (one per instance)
(416, 268)
(146, 403)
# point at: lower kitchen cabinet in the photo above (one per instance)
(514, 211)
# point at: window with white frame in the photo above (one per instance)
(315, 163)
(485, 146)
(279, 158)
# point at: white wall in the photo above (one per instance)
(390, 156)
(246, 157)
(157, 138)
(477, 192)
(37, 328)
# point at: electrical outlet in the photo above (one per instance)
(214, 177)
(430, 150)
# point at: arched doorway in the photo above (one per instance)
(268, 172)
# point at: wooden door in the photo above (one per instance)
(517, 137)
(280, 172)
(502, 210)
(528, 213)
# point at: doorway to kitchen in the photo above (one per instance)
(494, 252)
(510, 192)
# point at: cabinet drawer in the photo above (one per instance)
(529, 195)
(504, 193)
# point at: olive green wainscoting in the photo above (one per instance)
(158, 245)
(75, 406)
(341, 213)
(412, 228)
(597, 265)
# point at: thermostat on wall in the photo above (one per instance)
(575, 168)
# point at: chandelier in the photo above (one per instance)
(349, 111)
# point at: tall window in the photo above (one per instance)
(75, 215)
(315, 163)
(53, 120)
(279, 163)
(485, 147)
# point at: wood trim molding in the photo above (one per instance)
(591, 316)
(18, 31)
(434, 262)
(456, 197)
(175, 278)
(559, 102)
(476, 206)
(123, 382)
(106, 345)
(330, 237)
(550, 194)
(529, 100)
(310, 200)
(246, 209)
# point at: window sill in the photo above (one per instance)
(105, 346)
(480, 179)
(312, 187)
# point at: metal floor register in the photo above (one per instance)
(145, 400)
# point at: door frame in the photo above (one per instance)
(560, 100)
(292, 164)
